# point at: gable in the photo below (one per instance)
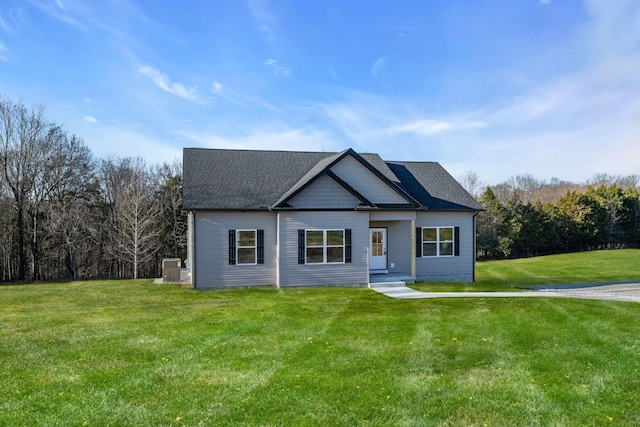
(366, 182)
(324, 192)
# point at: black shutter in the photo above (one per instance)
(456, 241)
(418, 242)
(347, 245)
(232, 247)
(301, 247)
(260, 244)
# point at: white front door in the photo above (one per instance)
(378, 250)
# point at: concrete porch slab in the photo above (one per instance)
(385, 285)
(392, 277)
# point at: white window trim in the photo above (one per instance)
(325, 246)
(438, 241)
(255, 247)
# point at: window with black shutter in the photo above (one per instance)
(456, 241)
(260, 248)
(232, 247)
(301, 246)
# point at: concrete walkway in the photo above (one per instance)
(619, 292)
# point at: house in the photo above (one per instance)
(289, 218)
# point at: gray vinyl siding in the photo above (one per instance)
(398, 244)
(324, 193)
(294, 274)
(455, 268)
(212, 250)
(366, 183)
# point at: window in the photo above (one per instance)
(437, 241)
(246, 247)
(324, 246)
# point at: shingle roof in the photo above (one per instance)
(431, 185)
(257, 179)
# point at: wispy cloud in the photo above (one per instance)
(224, 92)
(120, 139)
(4, 26)
(334, 74)
(264, 17)
(163, 82)
(63, 10)
(90, 119)
(3, 50)
(119, 18)
(276, 68)
(270, 137)
(236, 97)
(376, 69)
(403, 30)
(433, 127)
(545, 1)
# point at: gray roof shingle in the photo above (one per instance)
(431, 185)
(217, 179)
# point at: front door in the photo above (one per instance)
(378, 250)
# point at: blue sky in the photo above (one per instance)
(545, 87)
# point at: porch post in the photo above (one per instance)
(413, 247)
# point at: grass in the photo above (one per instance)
(576, 268)
(138, 353)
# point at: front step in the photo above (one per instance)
(387, 285)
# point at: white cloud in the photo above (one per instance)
(90, 119)
(266, 20)
(3, 49)
(545, 1)
(433, 127)
(162, 81)
(120, 141)
(276, 68)
(237, 98)
(4, 25)
(63, 11)
(225, 93)
(269, 137)
(376, 68)
(334, 74)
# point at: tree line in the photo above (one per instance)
(65, 214)
(526, 217)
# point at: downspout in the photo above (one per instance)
(278, 249)
(475, 251)
(191, 245)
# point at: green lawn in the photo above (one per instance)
(576, 268)
(138, 353)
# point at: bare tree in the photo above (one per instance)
(525, 186)
(173, 220)
(69, 201)
(26, 140)
(134, 212)
(471, 182)
(7, 226)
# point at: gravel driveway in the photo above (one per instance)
(619, 292)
